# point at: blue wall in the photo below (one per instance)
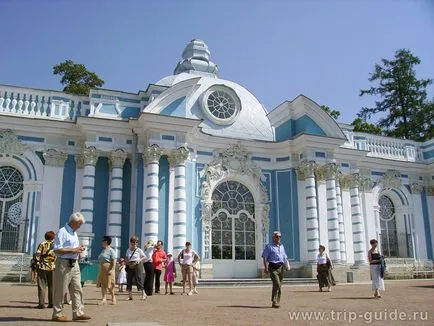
(284, 209)
(163, 200)
(68, 190)
(126, 199)
(292, 128)
(100, 203)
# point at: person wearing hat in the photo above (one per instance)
(169, 273)
(149, 267)
(275, 258)
(187, 258)
(106, 277)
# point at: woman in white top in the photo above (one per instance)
(323, 267)
(187, 258)
(149, 268)
(134, 257)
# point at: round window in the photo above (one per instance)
(221, 104)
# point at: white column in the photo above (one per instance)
(114, 221)
(90, 158)
(79, 166)
(52, 191)
(357, 221)
(332, 213)
(177, 159)
(170, 209)
(305, 170)
(151, 159)
(342, 245)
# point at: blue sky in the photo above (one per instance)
(277, 49)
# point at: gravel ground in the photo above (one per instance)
(403, 303)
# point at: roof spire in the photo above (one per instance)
(195, 57)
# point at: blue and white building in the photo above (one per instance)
(199, 158)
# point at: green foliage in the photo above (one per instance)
(76, 78)
(333, 113)
(402, 97)
(362, 126)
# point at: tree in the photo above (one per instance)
(76, 78)
(402, 96)
(363, 126)
(333, 113)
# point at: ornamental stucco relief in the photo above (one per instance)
(9, 143)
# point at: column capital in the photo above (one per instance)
(151, 153)
(54, 157)
(305, 168)
(345, 181)
(178, 156)
(331, 170)
(79, 161)
(117, 158)
(365, 183)
(90, 155)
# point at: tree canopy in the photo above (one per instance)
(333, 113)
(402, 98)
(76, 78)
(361, 125)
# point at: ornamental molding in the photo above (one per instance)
(10, 144)
(151, 154)
(90, 155)
(178, 156)
(391, 179)
(54, 157)
(416, 188)
(305, 169)
(233, 163)
(117, 158)
(327, 171)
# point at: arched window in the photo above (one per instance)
(389, 235)
(233, 222)
(11, 192)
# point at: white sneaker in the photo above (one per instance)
(190, 293)
(144, 296)
(195, 291)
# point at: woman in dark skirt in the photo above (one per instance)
(323, 267)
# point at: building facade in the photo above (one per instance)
(198, 158)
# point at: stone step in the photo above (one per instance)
(252, 281)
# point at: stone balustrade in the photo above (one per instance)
(384, 147)
(20, 101)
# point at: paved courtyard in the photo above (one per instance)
(404, 303)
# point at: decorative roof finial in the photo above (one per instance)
(195, 57)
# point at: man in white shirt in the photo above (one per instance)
(67, 272)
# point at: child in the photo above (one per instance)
(170, 273)
(34, 269)
(122, 275)
(196, 269)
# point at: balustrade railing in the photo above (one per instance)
(385, 147)
(41, 104)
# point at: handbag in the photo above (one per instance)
(132, 265)
(286, 265)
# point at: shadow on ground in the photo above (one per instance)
(245, 306)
